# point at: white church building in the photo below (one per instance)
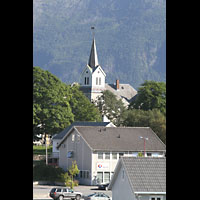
(93, 78)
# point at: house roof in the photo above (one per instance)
(119, 138)
(79, 123)
(145, 174)
(125, 91)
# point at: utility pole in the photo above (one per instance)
(46, 144)
(144, 138)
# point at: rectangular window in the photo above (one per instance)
(107, 156)
(106, 177)
(114, 156)
(121, 154)
(87, 80)
(149, 154)
(99, 80)
(96, 80)
(156, 198)
(99, 177)
(100, 155)
(73, 137)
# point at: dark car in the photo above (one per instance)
(62, 193)
(103, 186)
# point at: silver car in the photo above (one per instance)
(98, 196)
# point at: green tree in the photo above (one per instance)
(150, 95)
(110, 106)
(82, 108)
(150, 118)
(51, 108)
(73, 171)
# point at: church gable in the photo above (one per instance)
(98, 70)
(86, 76)
(98, 77)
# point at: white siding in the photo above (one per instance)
(121, 188)
(81, 153)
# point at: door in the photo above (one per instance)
(70, 193)
(99, 177)
(65, 193)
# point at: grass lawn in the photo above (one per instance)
(41, 150)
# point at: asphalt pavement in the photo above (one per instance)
(41, 192)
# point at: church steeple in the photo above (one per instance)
(93, 59)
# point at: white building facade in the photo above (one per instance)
(96, 164)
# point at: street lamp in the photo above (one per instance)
(144, 138)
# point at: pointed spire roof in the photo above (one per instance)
(93, 59)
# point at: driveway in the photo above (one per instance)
(42, 191)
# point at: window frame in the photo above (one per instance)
(114, 154)
(107, 154)
(99, 153)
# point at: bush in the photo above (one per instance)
(43, 172)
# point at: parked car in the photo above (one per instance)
(103, 186)
(98, 196)
(62, 193)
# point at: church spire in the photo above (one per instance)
(93, 59)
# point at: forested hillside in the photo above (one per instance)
(130, 38)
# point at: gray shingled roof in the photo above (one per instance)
(120, 138)
(64, 132)
(146, 174)
(126, 91)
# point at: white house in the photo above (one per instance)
(97, 149)
(58, 137)
(139, 178)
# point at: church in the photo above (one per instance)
(93, 78)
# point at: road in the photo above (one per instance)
(41, 192)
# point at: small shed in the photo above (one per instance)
(139, 178)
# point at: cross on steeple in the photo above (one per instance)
(93, 32)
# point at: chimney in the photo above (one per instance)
(117, 84)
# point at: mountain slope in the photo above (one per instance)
(130, 38)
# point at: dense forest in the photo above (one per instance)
(130, 38)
